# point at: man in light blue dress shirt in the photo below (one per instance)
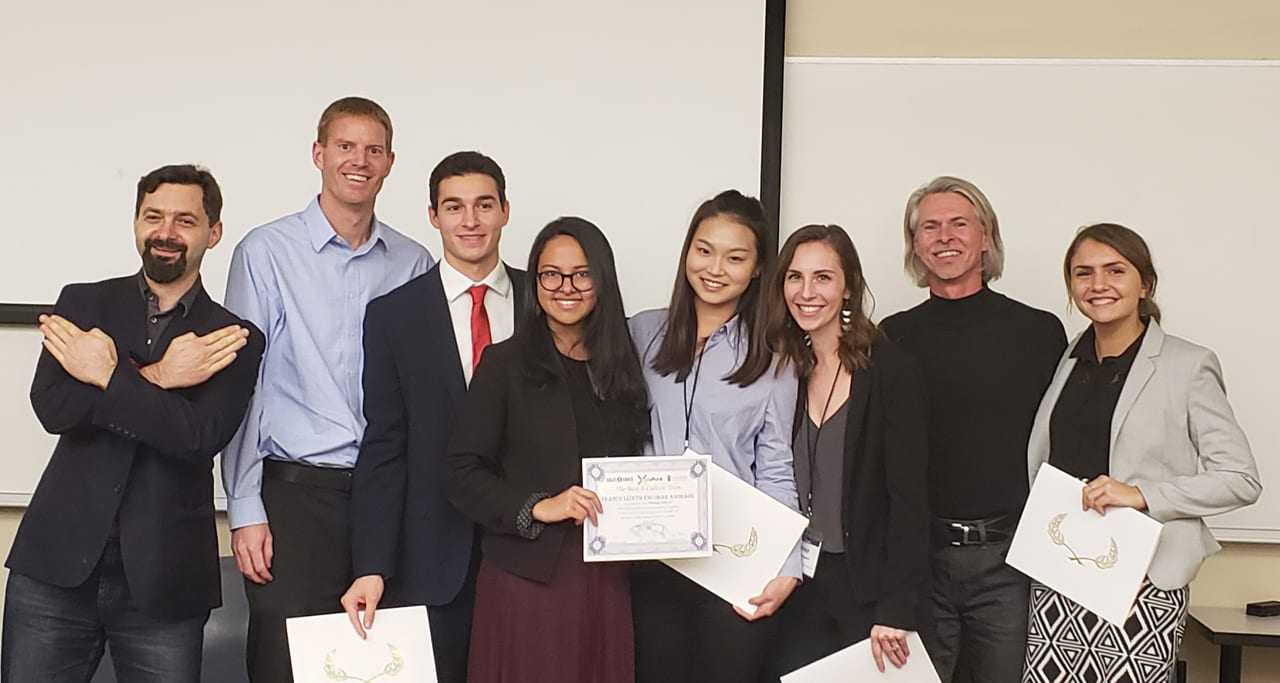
(304, 280)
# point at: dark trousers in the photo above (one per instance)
(450, 624)
(820, 617)
(56, 635)
(685, 634)
(980, 613)
(310, 571)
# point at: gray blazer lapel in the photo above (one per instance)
(1143, 367)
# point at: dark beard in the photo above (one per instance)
(159, 270)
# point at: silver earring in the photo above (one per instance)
(846, 316)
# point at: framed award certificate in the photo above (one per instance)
(655, 508)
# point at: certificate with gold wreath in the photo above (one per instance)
(753, 536)
(655, 508)
(326, 649)
(1097, 561)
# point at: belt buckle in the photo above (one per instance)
(964, 529)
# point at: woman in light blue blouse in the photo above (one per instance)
(712, 381)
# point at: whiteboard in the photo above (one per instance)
(1186, 153)
(628, 114)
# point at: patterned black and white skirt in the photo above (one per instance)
(1067, 643)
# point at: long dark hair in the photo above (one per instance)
(615, 368)
(1132, 247)
(679, 344)
(856, 337)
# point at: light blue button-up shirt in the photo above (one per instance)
(306, 289)
(746, 430)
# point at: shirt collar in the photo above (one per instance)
(1086, 349)
(185, 302)
(320, 231)
(731, 332)
(456, 284)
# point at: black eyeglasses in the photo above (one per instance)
(553, 280)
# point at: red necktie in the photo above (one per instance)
(479, 324)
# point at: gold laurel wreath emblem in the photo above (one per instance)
(335, 673)
(741, 549)
(1100, 561)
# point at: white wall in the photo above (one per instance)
(1182, 152)
(626, 114)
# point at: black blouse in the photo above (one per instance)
(1080, 427)
(594, 427)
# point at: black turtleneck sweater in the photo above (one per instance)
(987, 361)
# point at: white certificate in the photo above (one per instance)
(752, 535)
(1098, 561)
(325, 648)
(655, 507)
(855, 663)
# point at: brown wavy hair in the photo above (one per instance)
(788, 339)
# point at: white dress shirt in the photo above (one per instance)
(499, 304)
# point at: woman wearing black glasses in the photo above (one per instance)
(568, 386)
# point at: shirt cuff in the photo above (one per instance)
(246, 511)
(793, 566)
(526, 525)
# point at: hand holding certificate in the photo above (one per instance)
(856, 663)
(752, 535)
(655, 507)
(1097, 561)
(324, 648)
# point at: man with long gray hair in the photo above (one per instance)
(987, 360)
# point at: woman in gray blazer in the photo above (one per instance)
(1143, 417)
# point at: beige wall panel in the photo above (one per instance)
(1109, 29)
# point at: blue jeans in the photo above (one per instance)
(56, 635)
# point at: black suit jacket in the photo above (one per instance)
(134, 451)
(515, 438)
(403, 527)
(885, 507)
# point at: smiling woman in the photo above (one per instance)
(860, 453)
(568, 386)
(1143, 417)
(715, 391)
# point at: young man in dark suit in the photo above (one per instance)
(144, 378)
(422, 343)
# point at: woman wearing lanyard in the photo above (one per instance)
(1143, 417)
(714, 390)
(566, 387)
(861, 451)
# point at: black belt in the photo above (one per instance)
(335, 478)
(960, 532)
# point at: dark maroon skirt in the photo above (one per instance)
(576, 629)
